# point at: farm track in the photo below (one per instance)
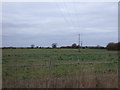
(56, 64)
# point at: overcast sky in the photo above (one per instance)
(45, 23)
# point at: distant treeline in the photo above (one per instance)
(26, 47)
(62, 47)
(84, 47)
(110, 46)
(113, 46)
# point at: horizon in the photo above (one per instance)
(59, 46)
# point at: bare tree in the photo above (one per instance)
(32, 46)
(54, 45)
(74, 45)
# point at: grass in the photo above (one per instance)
(38, 68)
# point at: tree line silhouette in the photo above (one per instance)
(110, 46)
(113, 46)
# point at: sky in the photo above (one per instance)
(44, 23)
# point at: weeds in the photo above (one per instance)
(41, 68)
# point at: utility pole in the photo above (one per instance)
(79, 42)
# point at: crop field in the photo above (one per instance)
(59, 68)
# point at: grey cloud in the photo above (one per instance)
(49, 20)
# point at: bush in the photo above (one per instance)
(113, 46)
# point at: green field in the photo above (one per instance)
(63, 68)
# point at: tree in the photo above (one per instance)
(74, 45)
(54, 45)
(32, 46)
(113, 46)
(37, 47)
